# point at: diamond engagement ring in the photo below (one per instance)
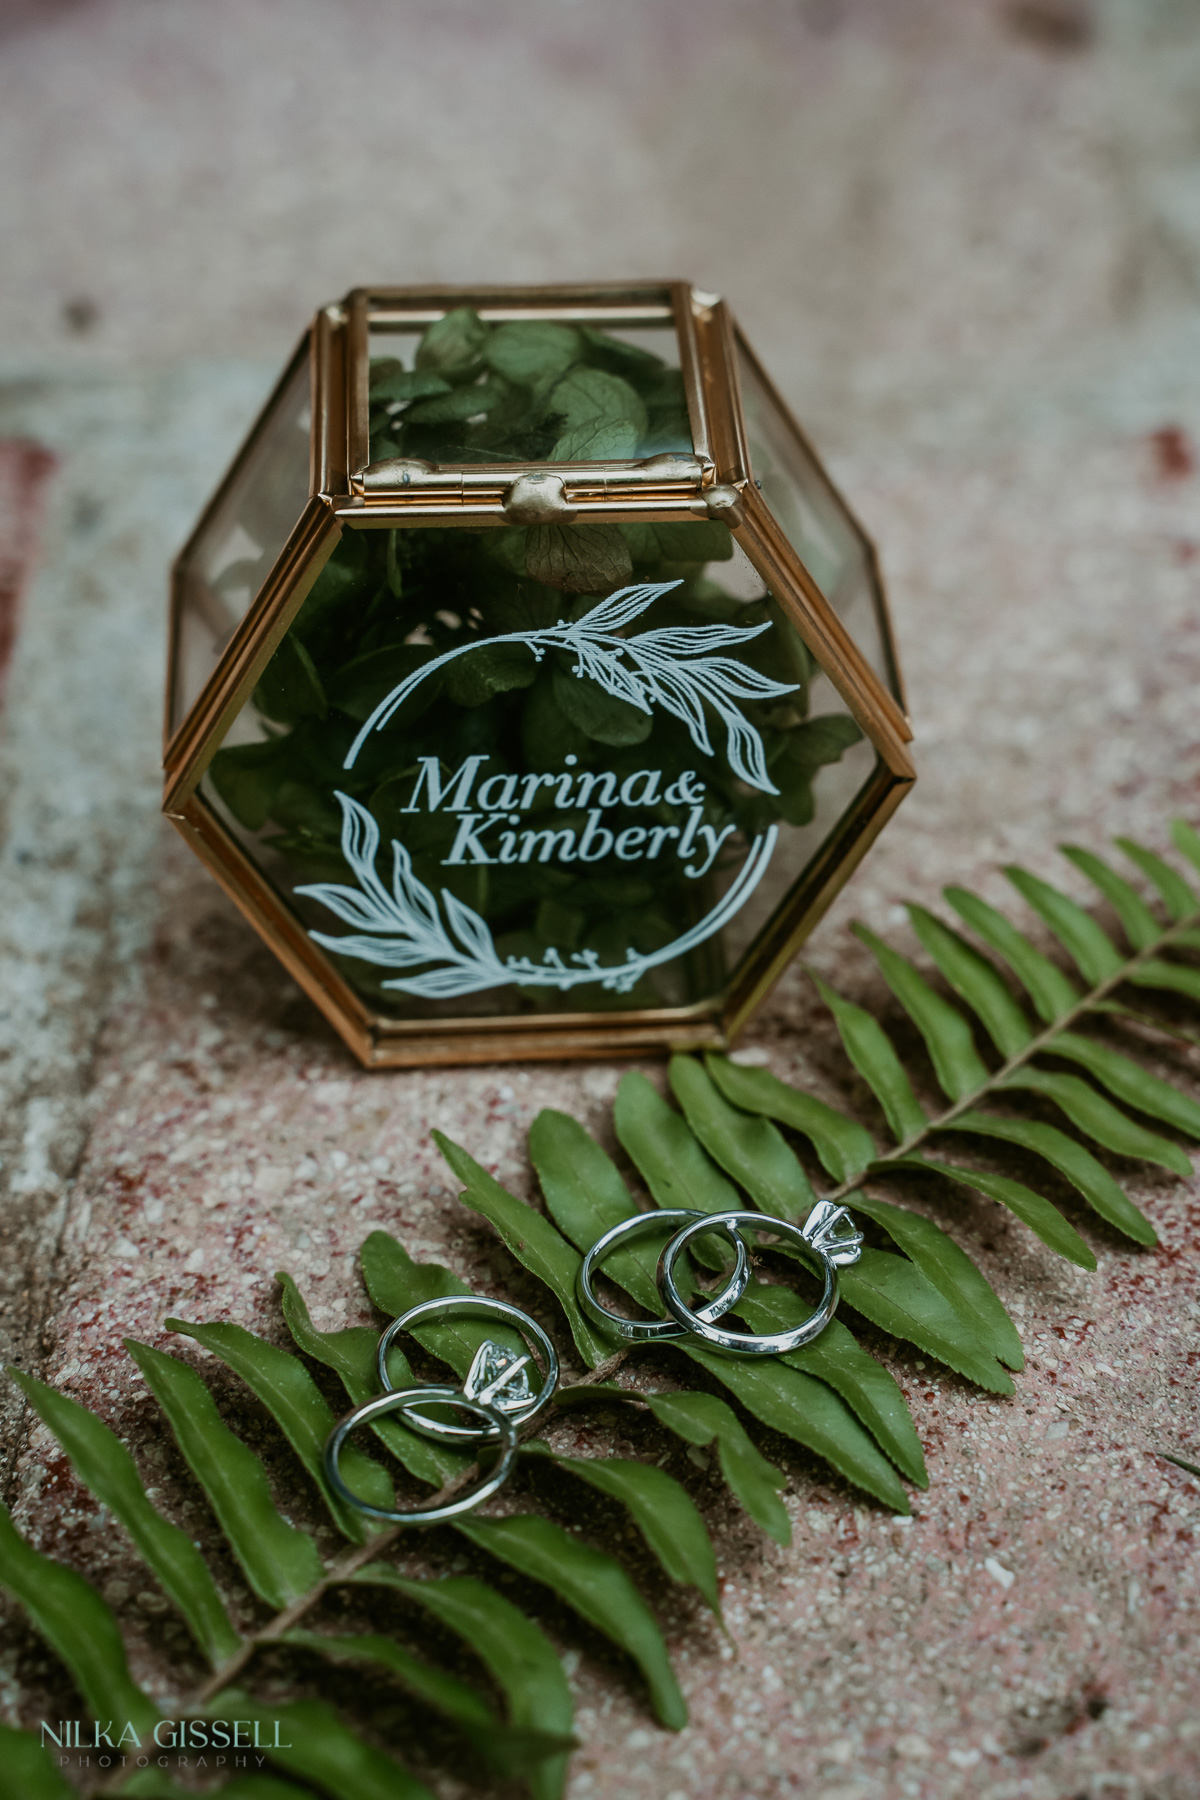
(498, 1379)
(824, 1232)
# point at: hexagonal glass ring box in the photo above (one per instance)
(531, 687)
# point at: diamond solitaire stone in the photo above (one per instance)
(489, 1378)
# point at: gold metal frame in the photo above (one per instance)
(173, 727)
(342, 496)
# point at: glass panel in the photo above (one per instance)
(241, 542)
(467, 390)
(501, 771)
(814, 520)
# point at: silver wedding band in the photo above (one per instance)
(497, 1428)
(815, 1236)
(636, 1331)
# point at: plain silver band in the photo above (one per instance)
(398, 1400)
(744, 1343)
(492, 1309)
(636, 1331)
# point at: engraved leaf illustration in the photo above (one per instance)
(405, 927)
(671, 668)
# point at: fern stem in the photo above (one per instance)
(355, 1558)
(1092, 1001)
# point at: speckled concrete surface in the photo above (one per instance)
(980, 293)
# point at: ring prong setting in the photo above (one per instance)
(498, 1378)
(831, 1231)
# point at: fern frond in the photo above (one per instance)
(748, 1148)
(1189, 1468)
(802, 1408)
(351, 1355)
(1098, 1108)
(895, 1295)
(675, 1167)
(531, 1238)
(511, 1750)
(1137, 921)
(279, 1561)
(296, 1404)
(78, 1626)
(515, 1652)
(932, 1294)
(948, 1268)
(1168, 1028)
(1078, 1165)
(839, 1360)
(948, 1037)
(595, 1586)
(320, 1748)
(974, 980)
(586, 1196)
(969, 1085)
(103, 1463)
(702, 1419)
(1182, 902)
(1041, 1217)
(1089, 947)
(1053, 994)
(887, 1290)
(873, 1054)
(663, 1511)
(446, 1694)
(844, 1147)
(1096, 1118)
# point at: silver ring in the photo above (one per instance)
(636, 1331)
(819, 1233)
(400, 1400)
(496, 1377)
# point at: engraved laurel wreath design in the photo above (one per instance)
(403, 926)
(670, 669)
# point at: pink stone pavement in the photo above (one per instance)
(969, 246)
